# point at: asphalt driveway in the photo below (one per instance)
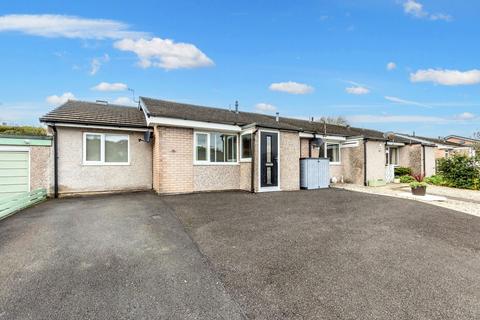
(336, 254)
(110, 257)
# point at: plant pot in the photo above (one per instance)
(420, 191)
(396, 180)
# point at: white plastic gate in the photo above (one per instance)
(389, 173)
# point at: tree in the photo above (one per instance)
(339, 120)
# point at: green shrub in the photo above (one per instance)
(460, 171)
(23, 130)
(406, 179)
(416, 184)
(437, 180)
(402, 171)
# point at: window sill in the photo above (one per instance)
(216, 164)
(103, 164)
(335, 163)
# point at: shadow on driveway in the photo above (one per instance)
(335, 254)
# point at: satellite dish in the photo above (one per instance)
(389, 135)
(147, 136)
(317, 142)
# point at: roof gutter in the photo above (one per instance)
(365, 182)
(55, 161)
(96, 126)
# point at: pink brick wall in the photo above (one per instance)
(173, 160)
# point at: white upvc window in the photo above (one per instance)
(215, 148)
(391, 156)
(246, 146)
(106, 149)
(331, 150)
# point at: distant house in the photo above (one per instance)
(175, 147)
(445, 147)
(464, 141)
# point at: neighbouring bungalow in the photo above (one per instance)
(180, 148)
(445, 146)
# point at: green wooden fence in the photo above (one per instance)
(11, 204)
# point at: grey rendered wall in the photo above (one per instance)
(74, 177)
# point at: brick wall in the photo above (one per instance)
(173, 160)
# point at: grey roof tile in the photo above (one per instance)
(92, 113)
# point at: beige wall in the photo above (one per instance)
(289, 161)
(411, 157)
(74, 177)
(440, 153)
(173, 160)
(375, 160)
(353, 164)
(216, 177)
(41, 168)
(245, 176)
(430, 161)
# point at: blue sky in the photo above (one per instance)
(398, 65)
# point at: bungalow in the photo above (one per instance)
(179, 148)
(444, 147)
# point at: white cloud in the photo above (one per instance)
(97, 63)
(406, 102)
(54, 26)
(156, 52)
(416, 9)
(447, 77)
(125, 101)
(465, 116)
(291, 87)
(265, 107)
(357, 90)
(106, 86)
(164, 53)
(58, 100)
(391, 66)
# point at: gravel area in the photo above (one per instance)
(467, 201)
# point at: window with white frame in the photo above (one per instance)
(246, 146)
(391, 156)
(215, 147)
(105, 148)
(331, 151)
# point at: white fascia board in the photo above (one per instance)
(172, 122)
(73, 125)
(398, 144)
(331, 138)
